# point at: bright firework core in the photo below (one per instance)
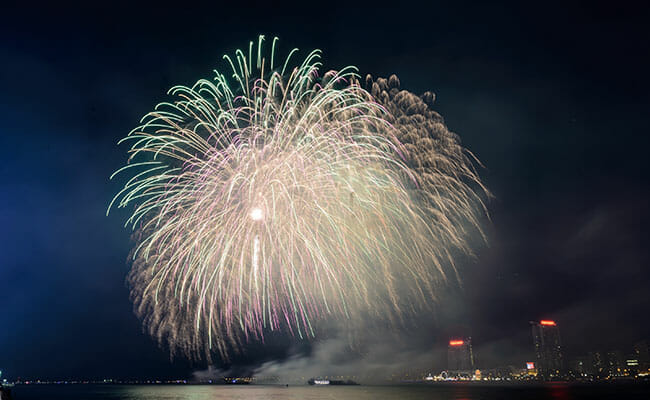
(257, 214)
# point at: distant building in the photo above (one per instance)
(631, 365)
(641, 354)
(598, 365)
(548, 349)
(459, 355)
(581, 368)
(615, 363)
(531, 369)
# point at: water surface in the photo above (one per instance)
(456, 391)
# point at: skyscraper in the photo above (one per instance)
(459, 355)
(548, 349)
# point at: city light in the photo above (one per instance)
(456, 342)
(547, 322)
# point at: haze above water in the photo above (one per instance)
(255, 392)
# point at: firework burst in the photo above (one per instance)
(280, 196)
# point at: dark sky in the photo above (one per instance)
(553, 98)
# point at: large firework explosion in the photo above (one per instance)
(280, 196)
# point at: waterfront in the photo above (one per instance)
(455, 391)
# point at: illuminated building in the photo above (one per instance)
(615, 363)
(531, 369)
(598, 369)
(459, 355)
(548, 349)
(631, 365)
(581, 368)
(641, 354)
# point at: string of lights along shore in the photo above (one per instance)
(280, 195)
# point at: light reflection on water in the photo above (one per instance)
(261, 392)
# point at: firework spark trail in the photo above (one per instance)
(289, 198)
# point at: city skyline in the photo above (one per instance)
(627, 360)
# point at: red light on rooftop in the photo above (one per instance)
(547, 322)
(456, 342)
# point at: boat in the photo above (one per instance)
(322, 382)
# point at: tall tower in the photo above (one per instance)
(548, 349)
(459, 355)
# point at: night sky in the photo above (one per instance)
(553, 99)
